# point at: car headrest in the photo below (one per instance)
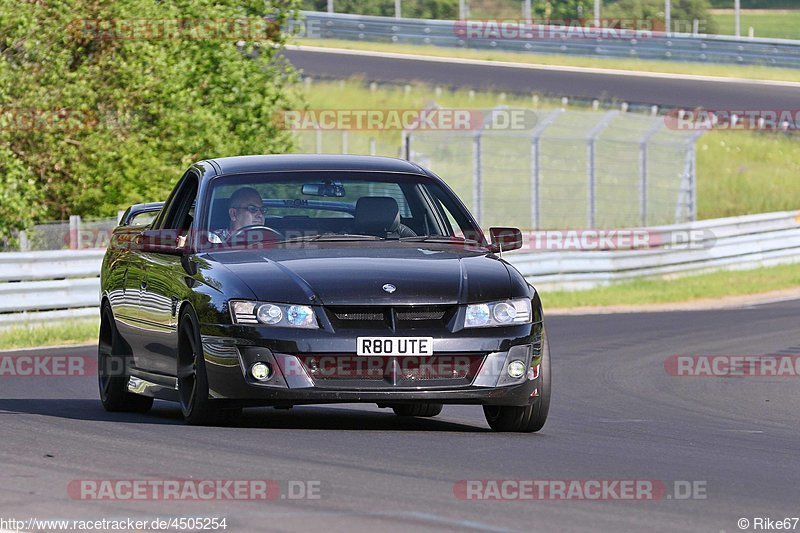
(376, 215)
(219, 214)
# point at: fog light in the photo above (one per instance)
(516, 369)
(260, 371)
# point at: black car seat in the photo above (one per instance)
(379, 216)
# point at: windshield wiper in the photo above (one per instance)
(447, 239)
(333, 237)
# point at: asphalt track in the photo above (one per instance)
(669, 91)
(616, 414)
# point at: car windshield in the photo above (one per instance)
(340, 206)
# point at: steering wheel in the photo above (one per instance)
(273, 234)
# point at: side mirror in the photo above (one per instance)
(159, 242)
(505, 239)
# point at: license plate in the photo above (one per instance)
(394, 346)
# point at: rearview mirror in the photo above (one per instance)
(328, 188)
(505, 239)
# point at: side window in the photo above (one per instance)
(454, 217)
(144, 218)
(180, 210)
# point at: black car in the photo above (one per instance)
(282, 280)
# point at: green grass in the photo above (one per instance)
(684, 289)
(739, 172)
(642, 291)
(66, 332)
(670, 67)
(778, 24)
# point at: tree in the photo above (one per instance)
(104, 103)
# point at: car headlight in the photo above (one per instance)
(502, 313)
(271, 314)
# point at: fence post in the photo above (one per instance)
(405, 145)
(536, 136)
(477, 178)
(591, 169)
(652, 130)
(74, 231)
(693, 175)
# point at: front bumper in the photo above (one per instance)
(305, 369)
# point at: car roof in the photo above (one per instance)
(311, 162)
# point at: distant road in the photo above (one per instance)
(633, 87)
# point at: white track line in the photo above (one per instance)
(536, 66)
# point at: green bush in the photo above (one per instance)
(116, 120)
(683, 13)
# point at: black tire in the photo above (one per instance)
(197, 408)
(532, 417)
(112, 376)
(425, 410)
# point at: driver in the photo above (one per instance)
(245, 208)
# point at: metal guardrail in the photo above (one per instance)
(53, 284)
(31, 292)
(547, 40)
(749, 241)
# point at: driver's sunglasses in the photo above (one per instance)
(253, 209)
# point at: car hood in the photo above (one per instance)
(357, 273)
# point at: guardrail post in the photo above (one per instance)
(591, 166)
(74, 231)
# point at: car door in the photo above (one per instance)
(164, 284)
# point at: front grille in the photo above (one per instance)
(365, 372)
(420, 314)
(403, 317)
(363, 316)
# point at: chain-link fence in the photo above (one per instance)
(565, 169)
(77, 233)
